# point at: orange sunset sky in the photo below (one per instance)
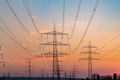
(20, 40)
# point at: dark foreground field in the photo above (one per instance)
(35, 78)
(50, 78)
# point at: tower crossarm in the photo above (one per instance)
(51, 53)
(89, 46)
(89, 52)
(57, 43)
(52, 33)
(89, 59)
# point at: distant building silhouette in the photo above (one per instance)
(95, 76)
(119, 77)
(115, 76)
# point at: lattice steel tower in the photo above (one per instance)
(55, 53)
(90, 58)
(1, 56)
(29, 67)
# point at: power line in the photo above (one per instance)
(21, 57)
(63, 20)
(109, 42)
(109, 35)
(77, 14)
(25, 2)
(19, 21)
(114, 49)
(26, 5)
(111, 56)
(8, 29)
(12, 51)
(87, 27)
(22, 25)
(4, 65)
(5, 25)
(90, 58)
(11, 66)
(51, 13)
(14, 40)
(118, 35)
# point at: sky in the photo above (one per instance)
(103, 33)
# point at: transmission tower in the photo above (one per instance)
(1, 56)
(42, 74)
(90, 58)
(65, 75)
(0, 52)
(29, 67)
(8, 75)
(2, 60)
(55, 53)
(73, 75)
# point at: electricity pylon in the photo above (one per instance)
(2, 60)
(55, 53)
(73, 74)
(0, 52)
(90, 58)
(29, 67)
(42, 74)
(65, 75)
(1, 56)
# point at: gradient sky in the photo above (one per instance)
(102, 32)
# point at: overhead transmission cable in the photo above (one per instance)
(13, 39)
(12, 51)
(109, 57)
(118, 35)
(5, 25)
(22, 25)
(11, 66)
(114, 49)
(108, 36)
(25, 2)
(63, 20)
(114, 56)
(76, 18)
(51, 13)
(87, 27)
(19, 21)
(26, 5)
